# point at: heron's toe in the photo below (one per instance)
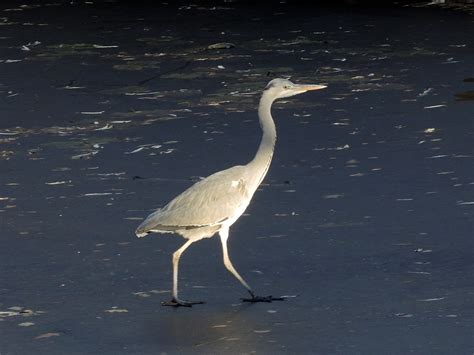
(267, 299)
(176, 302)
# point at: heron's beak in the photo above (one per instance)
(304, 88)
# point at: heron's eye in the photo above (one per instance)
(286, 87)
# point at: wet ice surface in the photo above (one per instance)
(366, 214)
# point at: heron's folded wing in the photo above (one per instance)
(210, 201)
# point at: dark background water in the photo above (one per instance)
(110, 109)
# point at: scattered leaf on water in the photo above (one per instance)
(7, 133)
(6, 154)
(4, 314)
(432, 299)
(97, 194)
(106, 127)
(116, 310)
(93, 113)
(223, 45)
(465, 203)
(142, 294)
(47, 335)
(85, 155)
(72, 87)
(26, 324)
(159, 291)
(58, 182)
(404, 315)
(434, 106)
(333, 196)
(19, 311)
(135, 150)
(425, 92)
(438, 156)
(102, 46)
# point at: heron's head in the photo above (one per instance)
(280, 88)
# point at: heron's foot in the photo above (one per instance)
(176, 302)
(268, 299)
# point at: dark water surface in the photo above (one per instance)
(108, 110)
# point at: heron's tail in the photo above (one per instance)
(144, 228)
(154, 224)
(148, 224)
(141, 232)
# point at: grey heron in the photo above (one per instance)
(213, 204)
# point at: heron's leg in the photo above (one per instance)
(224, 233)
(175, 301)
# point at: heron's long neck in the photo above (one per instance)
(264, 155)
